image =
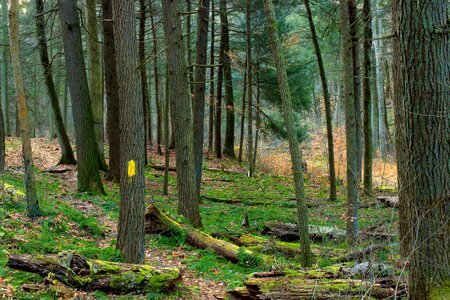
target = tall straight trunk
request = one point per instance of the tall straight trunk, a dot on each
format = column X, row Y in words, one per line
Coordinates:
column 251, row 166
column 354, row 25
column 180, row 106
column 4, row 68
column 228, row 146
column 31, row 196
column 87, row 149
column 67, row 156
column 211, row 83
column 350, row 123
column 296, row 154
column 158, row 98
column 131, row 235
column 241, row 135
column 143, row 75
column 367, row 98
column 111, row 91
column 258, row 115
column 374, row 104
column 200, row 90
column 166, row 138
column 422, row 110
column 94, row 64
column 2, row 143
column 188, row 46
column 218, row 116
column 65, row 104
column 327, row 100
column 378, row 46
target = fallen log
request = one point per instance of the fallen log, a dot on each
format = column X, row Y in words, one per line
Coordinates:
column 163, row 168
column 311, row 284
column 389, row 201
column 158, row 222
column 288, row 232
column 76, row 271
column 356, row 255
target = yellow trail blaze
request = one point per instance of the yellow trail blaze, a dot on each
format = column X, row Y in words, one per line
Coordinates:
column 131, row 168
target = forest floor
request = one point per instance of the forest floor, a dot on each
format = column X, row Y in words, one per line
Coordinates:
column 88, row 223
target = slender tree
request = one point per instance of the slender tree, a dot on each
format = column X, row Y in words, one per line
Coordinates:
column 218, row 106
column 228, row 146
column 4, row 68
column 211, row 82
column 200, row 90
column 244, row 93
column 327, row 100
column 296, row 155
column 31, row 196
column 180, row 106
column 166, row 138
column 111, row 91
column 251, row 166
column 350, row 123
column 67, row 156
column 130, row 238
column 87, row 150
column 422, row 110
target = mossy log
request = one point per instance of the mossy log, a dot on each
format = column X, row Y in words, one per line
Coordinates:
column 288, row 232
column 311, row 284
column 86, row 274
column 158, row 222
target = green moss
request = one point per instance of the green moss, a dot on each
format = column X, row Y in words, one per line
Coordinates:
column 440, row 292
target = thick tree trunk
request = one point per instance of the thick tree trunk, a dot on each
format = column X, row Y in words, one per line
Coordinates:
column 86, row 274
column 94, row 70
column 296, row 154
column 180, row 106
column 4, row 68
column 228, row 146
column 327, row 100
column 67, row 156
column 87, row 150
column 132, row 135
column 31, row 196
column 367, row 97
column 251, row 166
column 200, row 90
column 351, row 128
column 422, row 110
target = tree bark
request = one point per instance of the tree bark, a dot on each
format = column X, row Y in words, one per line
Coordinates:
column 296, row 155
column 211, row 83
column 218, row 107
column 31, row 196
column 351, row 128
column 422, row 110
column 251, row 166
column 180, row 106
column 241, row 135
column 87, row 150
column 326, row 96
column 132, row 135
column 67, row 156
column 4, row 68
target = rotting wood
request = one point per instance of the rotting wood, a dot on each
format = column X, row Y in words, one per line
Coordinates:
column 388, row 201
column 76, row 271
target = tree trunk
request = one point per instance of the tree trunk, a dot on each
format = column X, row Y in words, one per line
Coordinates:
column 4, row 68
column 258, row 113
column 132, row 135
column 228, row 146
column 166, row 138
column 190, row 68
column 251, row 166
column 327, row 100
column 86, row 274
column 31, row 196
column 180, row 106
column 94, row 64
column 112, row 96
column 211, row 83
column 374, row 104
column 241, row 135
column 67, row 157
column 200, row 90
column 422, row 110
column 351, row 128
column 66, row 104
column 296, row 155
column 367, row 99
column 87, row 150
column 218, row 106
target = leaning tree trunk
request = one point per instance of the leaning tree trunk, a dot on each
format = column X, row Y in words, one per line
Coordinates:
column 200, row 90
column 112, row 96
column 351, row 128
column 296, row 155
column 422, row 110
column 94, row 64
column 132, row 135
column 4, row 67
column 87, row 150
column 326, row 96
column 180, row 106
column 251, row 166
column 64, row 142
column 228, row 146
column 31, row 196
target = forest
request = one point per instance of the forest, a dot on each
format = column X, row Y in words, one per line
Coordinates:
column 224, row 149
